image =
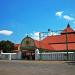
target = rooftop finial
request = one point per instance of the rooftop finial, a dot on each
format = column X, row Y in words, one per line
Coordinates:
column 27, row 35
column 68, row 25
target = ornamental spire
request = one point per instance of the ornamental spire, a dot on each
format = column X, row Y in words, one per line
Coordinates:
column 68, row 25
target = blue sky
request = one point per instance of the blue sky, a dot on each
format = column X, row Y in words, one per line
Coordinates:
column 21, row 17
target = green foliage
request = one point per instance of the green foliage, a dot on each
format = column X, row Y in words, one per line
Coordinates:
column 6, row 46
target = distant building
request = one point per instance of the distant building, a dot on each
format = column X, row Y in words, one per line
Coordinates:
column 55, row 43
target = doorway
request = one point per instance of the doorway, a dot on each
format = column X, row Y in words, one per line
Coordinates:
column 28, row 55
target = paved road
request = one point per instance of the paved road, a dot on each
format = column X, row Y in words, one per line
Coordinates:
column 36, row 67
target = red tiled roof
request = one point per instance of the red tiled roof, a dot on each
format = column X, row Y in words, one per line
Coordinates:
column 68, row 30
column 59, row 38
column 42, row 45
column 57, row 43
column 16, row 46
column 63, row 47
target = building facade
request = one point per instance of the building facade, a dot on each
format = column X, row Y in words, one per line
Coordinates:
column 65, row 42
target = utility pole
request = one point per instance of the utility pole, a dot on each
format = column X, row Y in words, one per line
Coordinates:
column 40, row 44
column 67, row 43
column 40, row 38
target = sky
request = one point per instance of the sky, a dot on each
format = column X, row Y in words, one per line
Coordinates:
column 19, row 18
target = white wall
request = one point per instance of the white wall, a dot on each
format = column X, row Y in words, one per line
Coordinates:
column 55, row 56
column 16, row 56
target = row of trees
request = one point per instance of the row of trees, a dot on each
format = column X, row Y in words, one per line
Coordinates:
column 6, row 46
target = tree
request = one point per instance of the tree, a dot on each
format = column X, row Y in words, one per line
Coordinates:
column 6, row 46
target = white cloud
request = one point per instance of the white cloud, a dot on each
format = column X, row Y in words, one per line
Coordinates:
column 53, row 33
column 35, row 35
column 59, row 13
column 6, row 32
column 68, row 17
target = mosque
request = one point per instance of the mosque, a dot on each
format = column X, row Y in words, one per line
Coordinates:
column 54, row 43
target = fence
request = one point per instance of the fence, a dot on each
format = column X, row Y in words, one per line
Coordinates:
column 55, row 56
column 10, row 56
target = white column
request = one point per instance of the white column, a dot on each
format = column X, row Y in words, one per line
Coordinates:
column 9, row 56
column 36, row 54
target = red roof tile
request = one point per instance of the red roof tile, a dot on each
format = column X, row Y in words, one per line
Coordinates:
column 68, row 30
column 61, row 47
column 58, row 42
column 59, row 38
column 40, row 44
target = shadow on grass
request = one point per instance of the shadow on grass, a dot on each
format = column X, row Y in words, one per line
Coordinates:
column 71, row 62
